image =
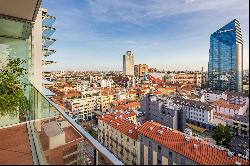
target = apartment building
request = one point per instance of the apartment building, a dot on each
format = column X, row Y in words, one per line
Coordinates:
column 224, row 107
column 120, row 137
column 105, row 83
column 227, row 103
column 81, row 86
column 184, row 78
column 105, row 103
column 160, row 145
column 239, row 124
column 163, row 111
column 231, row 97
column 197, row 112
column 84, row 107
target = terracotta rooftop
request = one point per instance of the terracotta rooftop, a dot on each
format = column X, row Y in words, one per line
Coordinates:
column 121, row 125
column 132, row 92
column 222, row 115
column 225, row 104
column 124, row 115
column 133, row 104
column 203, row 154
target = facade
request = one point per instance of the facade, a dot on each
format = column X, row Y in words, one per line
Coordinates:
column 194, row 78
column 120, row 137
column 141, row 70
column 41, row 42
column 231, row 97
column 197, row 112
column 105, row 83
column 225, row 67
column 224, row 107
column 128, row 64
column 227, row 103
column 82, row 86
column 105, row 103
column 239, row 124
column 84, row 107
column 163, row 111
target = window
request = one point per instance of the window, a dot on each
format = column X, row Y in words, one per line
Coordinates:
column 159, row 148
column 182, row 161
column 159, row 162
column 170, row 155
column 127, row 139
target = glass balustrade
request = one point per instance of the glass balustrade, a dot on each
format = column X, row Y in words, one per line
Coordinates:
column 45, row 134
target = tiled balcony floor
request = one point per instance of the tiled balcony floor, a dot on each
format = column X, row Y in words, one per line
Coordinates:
column 14, row 146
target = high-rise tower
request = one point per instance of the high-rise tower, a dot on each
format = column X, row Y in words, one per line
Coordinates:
column 128, row 64
column 225, row 67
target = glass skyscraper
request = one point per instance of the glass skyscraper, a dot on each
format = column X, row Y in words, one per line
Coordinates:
column 225, row 67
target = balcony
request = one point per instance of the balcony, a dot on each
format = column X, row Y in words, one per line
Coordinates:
column 47, row 42
column 48, row 20
column 47, row 52
column 48, row 31
column 45, row 134
column 47, row 62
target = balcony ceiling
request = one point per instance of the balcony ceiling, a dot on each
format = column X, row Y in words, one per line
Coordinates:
column 22, row 9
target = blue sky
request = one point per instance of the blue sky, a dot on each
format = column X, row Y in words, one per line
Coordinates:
column 167, row 34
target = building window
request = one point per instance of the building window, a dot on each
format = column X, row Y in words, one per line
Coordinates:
column 170, row 155
column 127, row 139
column 182, row 161
column 159, row 162
column 159, row 148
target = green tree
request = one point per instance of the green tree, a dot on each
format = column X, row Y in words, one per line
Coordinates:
column 12, row 98
column 222, row 136
column 93, row 133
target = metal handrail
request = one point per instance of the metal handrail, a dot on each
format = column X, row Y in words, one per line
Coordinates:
column 88, row 137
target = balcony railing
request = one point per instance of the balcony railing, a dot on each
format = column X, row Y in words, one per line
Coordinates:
column 45, row 134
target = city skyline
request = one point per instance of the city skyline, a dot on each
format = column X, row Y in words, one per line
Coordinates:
column 93, row 35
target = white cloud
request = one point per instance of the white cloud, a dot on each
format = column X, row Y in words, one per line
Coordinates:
column 138, row 13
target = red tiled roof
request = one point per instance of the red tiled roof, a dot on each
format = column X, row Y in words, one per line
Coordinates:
column 120, row 107
column 222, row 115
column 132, row 92
column 123, row 126
column 157, row 92
column 120, row 101
column 225, row 104
column 204, row 154
column 123, row 114
column 133, row 104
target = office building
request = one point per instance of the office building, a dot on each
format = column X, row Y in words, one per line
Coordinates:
column 128, row 64
column 225, row 67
